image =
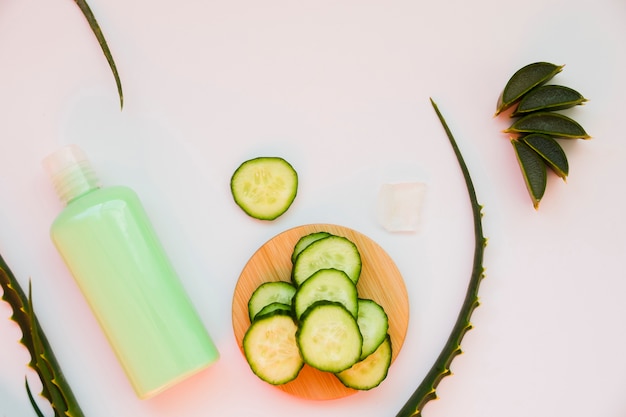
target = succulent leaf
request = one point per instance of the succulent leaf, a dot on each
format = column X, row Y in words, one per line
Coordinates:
column 54, row 385
column 524, row 80
column 426, row 390
column 33, row 403
column 95, row 27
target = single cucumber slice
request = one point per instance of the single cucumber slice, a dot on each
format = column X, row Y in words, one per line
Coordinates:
column 271, row 350
column 329, row 337
column 305, row 241
column 369, row 372
column 335, row 252
column 264, row 187
column 273, row 308
column 373, row 324
column 268, row 293
column 326, row 284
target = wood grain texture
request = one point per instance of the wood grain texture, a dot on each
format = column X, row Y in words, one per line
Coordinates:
column 380, row 281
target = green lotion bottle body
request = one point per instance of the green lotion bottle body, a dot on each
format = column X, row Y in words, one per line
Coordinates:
column 110, row 247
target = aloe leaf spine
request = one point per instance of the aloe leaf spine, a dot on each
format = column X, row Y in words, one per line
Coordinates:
column 426, row 390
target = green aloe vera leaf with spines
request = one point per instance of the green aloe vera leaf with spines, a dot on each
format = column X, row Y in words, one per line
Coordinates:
column 533, row 169
column 524, row 80
column 551, row 152
column 426, row 390
column 95, row 28
column 553, row 124
column 548, row 98
column 55, row 387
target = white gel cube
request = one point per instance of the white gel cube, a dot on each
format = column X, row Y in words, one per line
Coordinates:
column 399, row 206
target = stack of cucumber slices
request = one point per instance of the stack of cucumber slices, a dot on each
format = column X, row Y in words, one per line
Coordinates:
column 318, row 319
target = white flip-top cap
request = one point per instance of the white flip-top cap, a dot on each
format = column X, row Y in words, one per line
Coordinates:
column 71, row 172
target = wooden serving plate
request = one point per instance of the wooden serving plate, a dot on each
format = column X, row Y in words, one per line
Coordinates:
column 380, row 281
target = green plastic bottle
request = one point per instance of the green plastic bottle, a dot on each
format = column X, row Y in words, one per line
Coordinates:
column 114, row 254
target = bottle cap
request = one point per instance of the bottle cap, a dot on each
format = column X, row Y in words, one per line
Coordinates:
column 71, row 172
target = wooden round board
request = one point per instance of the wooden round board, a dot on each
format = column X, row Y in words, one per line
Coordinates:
column 380, row 281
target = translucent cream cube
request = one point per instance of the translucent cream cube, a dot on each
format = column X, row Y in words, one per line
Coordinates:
column 399, row 206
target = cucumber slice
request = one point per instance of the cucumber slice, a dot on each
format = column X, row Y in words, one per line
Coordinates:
column 326, row 284
column 268, row 293
column 273, row 308
column 271, row 350
column 329, row 337
column 369, row 372
column 335, row 252
column 264, row 187
column 305, row 241
column 373, row 324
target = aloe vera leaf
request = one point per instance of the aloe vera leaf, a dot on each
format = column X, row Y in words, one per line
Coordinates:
column 524, row 80
column 549, row 98
column 551, row 152
column 556, row 125
column 426, row 390
column 55, row 387
column 61, row 397
column 33, row 403
column 95, row 27
column 533, row 169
